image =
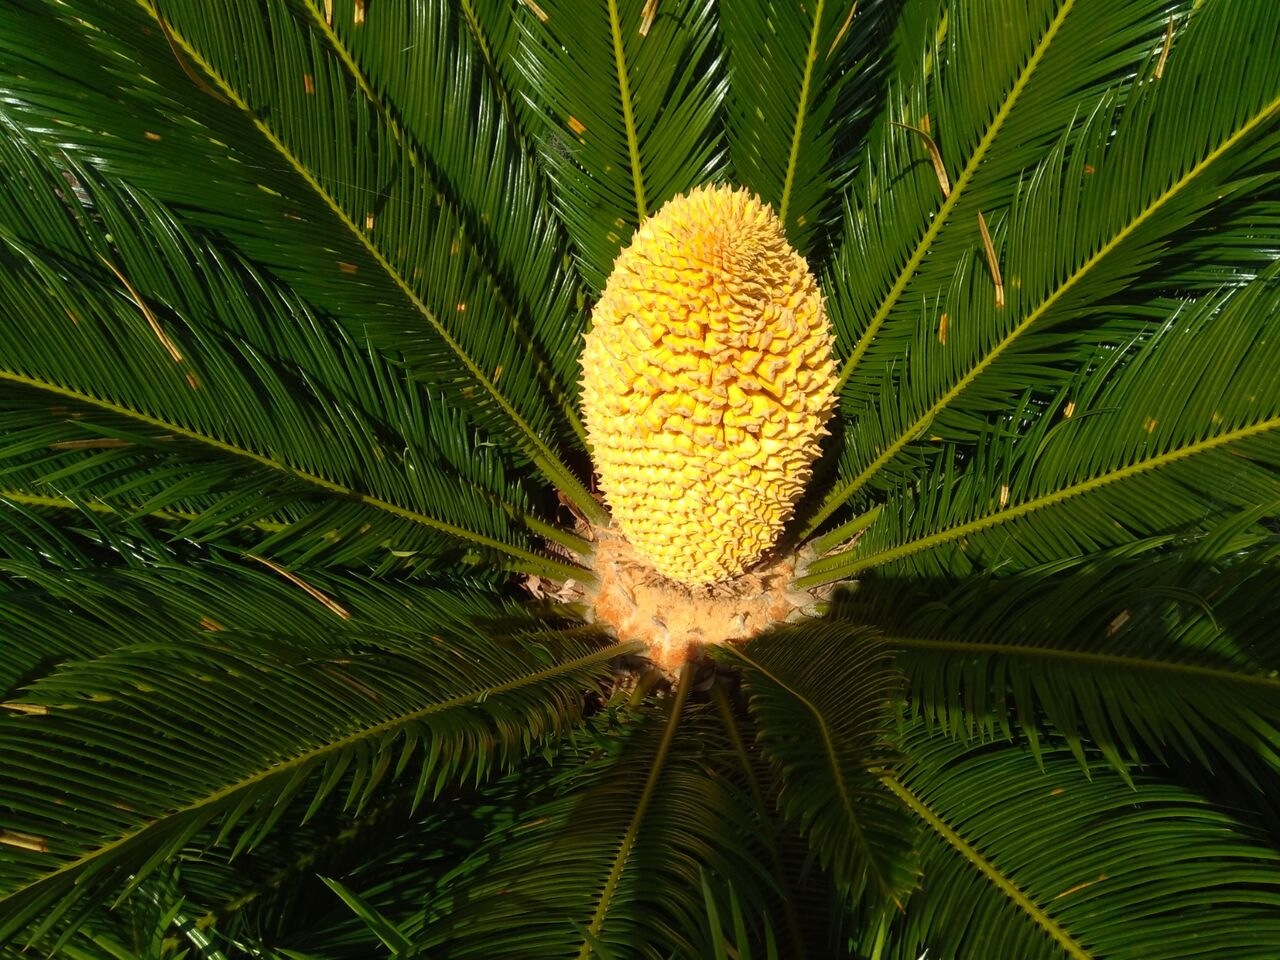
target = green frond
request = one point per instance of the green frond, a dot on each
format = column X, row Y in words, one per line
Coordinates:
column 380, row 242
column 444, row 104
column 960, row 80
column 811, row 909
column 158, row 406
column 994, row 87
column 291, row 303
column 624, row 120
column 820, row 698
column 730, row 934
column 495, row 33
column 800, row 89
column 1117, row 456
column 292, row 721
column 152, row 925
column 536, row 888
column 1141, row 167
column 1031, row 860
column 272, row 899
column 387, row 932
column 75, row 594
column 1140, row 653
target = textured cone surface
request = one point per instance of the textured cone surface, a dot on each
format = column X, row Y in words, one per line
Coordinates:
column 708, row 378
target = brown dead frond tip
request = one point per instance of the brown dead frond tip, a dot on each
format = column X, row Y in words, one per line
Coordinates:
column 329, row 604
column 23, row 841
column 992, row 264
column 1164, row 53
column 1118, row 621
column 93, row 443
column 537, row 10
column 844, row 28
column 31, row 709
column 146, row 311
column 646, row 17
column 935, row 156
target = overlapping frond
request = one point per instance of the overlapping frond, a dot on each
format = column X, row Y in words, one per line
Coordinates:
column 983, row 84
column 964, row 330
column 363, row 230
column 291, row 294
column 296, row 717
column 1185, row 431
column 1033, row 860
column 220, row 899
column 625, row 119
column 802, row 86
column 72, row 593
column 157, row 398
column 614, row 859
column 820, row 697
column 450, row 111
column 1140, row 652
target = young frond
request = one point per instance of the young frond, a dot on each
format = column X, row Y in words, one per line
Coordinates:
column 798, row 95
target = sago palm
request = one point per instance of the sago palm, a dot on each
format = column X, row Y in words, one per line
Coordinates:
column 936, row 404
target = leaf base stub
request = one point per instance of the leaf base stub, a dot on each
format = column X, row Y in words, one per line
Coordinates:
column 676, row 621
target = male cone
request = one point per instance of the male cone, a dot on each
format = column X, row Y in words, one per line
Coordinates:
column 707, row 381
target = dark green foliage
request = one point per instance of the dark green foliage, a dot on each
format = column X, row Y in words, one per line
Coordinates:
column 291, row 296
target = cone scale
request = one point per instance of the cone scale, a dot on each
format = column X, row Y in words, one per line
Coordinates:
column 707, row 381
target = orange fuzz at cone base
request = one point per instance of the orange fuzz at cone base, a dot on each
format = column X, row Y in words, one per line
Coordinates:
column 708, row 378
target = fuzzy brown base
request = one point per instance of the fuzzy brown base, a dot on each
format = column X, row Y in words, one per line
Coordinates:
column 677, row 621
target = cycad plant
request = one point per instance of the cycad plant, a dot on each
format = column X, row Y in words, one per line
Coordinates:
column 316, row 639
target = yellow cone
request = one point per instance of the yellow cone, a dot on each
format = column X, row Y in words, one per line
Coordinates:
column 708, row 378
